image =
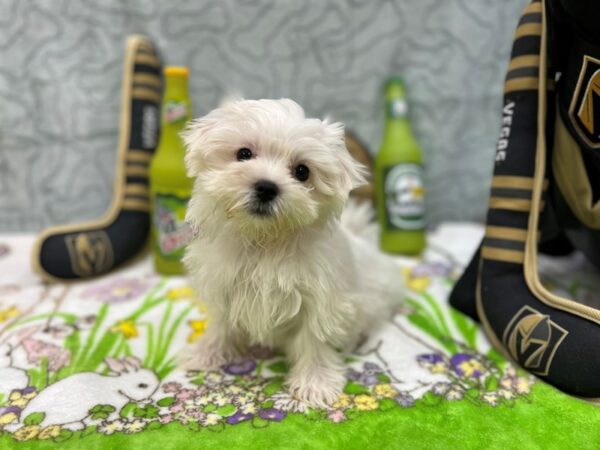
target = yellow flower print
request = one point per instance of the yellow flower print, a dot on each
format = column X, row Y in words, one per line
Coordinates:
column 127, row 328
column 343, row 401
column 491, row 398
column 5, row 419
column 49, row 432
column 249, row 408
column 385, row 390
column 26, row 433
column 134, row 427
column 506, row 383
column 198, row 327
column 471, row 366
column 211, row 419
column 523, row 385
column 182, row 292
column 111, row 427
column 186, row 293
column 233, row 389
column 20, row 400
column 417, row 284
column 439, row 367
column 365, row 402
column 9, row 313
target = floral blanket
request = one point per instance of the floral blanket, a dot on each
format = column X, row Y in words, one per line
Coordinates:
column 93, row 365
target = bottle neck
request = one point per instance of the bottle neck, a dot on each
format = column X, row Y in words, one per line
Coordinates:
column 176, row 106
column 176, row 88
column 396, row 116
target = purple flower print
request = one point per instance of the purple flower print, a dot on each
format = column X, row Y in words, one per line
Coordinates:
column 369, row 375
column 116, row 291
column 4, row 250
column 430, row 358
column 27, row 390
column 439, row 269
column 435, row 362
column 466, row 365
column 10, row 409
column 352, row 374
column 239, row 417
column 405, row 400
column 372, row 368
column 241, row 367
column 272, row 414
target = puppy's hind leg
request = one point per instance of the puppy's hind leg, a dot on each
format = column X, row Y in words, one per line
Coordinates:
column 317, row 371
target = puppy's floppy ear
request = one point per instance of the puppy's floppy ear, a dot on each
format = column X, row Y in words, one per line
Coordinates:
column 351, row 172
column 198, row 136
column 195, row 138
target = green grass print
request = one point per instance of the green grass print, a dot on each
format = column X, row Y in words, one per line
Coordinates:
column 39, row 378
column 435, row 323
column 429, row 317
column 89, row 349
column 158, row 344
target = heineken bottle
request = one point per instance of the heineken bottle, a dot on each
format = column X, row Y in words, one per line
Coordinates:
column 399, row 179
column 170, row 188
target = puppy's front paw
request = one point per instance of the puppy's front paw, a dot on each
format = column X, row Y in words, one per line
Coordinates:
column 318, row 388
column 206, row 355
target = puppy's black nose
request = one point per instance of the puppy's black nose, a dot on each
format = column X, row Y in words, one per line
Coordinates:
column 266, row 190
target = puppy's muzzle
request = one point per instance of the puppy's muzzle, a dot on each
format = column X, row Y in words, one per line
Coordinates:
column 266, row 191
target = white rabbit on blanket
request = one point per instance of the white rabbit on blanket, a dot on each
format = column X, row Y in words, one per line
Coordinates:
column 11, row 378
column 68, row 401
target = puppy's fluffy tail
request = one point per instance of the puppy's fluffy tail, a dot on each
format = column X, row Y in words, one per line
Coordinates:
column 381, row 289
column 358, row 219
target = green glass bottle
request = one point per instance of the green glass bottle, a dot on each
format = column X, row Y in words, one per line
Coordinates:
column 170, row 188
column 400, row 193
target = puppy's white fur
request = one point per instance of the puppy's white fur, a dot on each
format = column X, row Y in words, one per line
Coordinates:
column 297, row 278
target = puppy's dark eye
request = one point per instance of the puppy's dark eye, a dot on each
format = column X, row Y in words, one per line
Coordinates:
column 301, row 172
column 244, row 154
column 142, row 385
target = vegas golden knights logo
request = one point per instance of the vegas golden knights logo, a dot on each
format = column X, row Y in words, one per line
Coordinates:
column 585, row 106
column 90, row 253
column 532, row 339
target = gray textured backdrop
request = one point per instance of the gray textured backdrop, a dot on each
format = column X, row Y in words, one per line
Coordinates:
column 60, row 69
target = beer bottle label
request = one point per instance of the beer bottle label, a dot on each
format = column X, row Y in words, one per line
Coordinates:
column 172, row 231
column 404, row 197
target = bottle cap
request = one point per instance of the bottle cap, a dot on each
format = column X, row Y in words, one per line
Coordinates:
column 396, row 79
column 176, row 71
column 394, row 88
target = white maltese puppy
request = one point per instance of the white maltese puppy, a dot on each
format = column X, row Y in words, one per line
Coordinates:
column 272, row 261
